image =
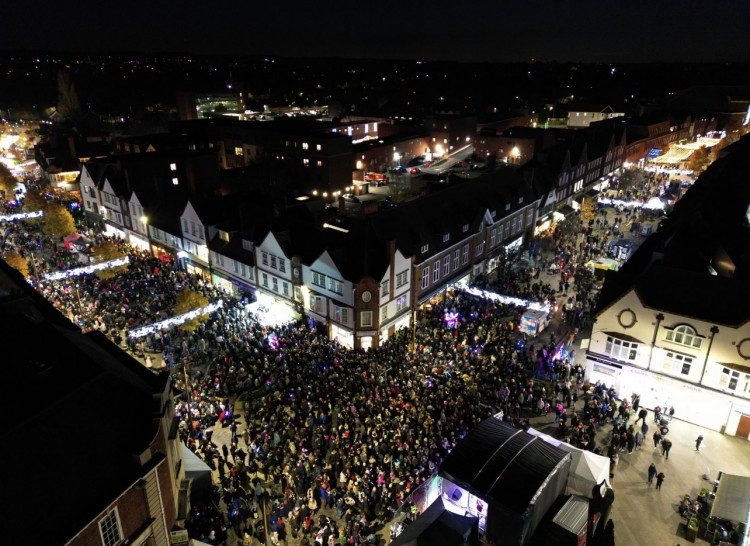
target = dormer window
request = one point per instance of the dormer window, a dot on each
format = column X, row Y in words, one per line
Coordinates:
column 507, row 206
column 465, row 228
column 446, row 237
column 685, row 335
column 520, row 200
column 425, row 248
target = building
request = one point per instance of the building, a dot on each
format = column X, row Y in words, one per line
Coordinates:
column 673, row 325
column 584, row 115
column 92, row 453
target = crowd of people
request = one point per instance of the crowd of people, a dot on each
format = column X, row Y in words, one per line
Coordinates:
column 328, row 443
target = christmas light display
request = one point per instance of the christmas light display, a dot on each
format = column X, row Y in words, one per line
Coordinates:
column 21, row 216
column 175, row 321
column 509, row 300
column 69, row 273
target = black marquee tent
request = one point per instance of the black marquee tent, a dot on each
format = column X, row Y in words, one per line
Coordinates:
column 439, row 527
column 518, row 475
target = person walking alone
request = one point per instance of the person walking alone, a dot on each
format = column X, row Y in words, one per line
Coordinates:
column 651, row 474
column 660, row 479
column 666, row 445
column 698, row 442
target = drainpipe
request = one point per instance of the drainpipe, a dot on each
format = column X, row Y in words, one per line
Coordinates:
column 659, row 318
column 714, row 331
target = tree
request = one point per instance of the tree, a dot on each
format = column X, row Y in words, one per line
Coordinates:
column 57, row 221
column 34, row 200
column 699, row 160
column 68, row 105
column 568, row 229
column 632, row 177
column 187, row 301
column 104, row 253
column 17, row 262
column 7, row 180
column 587, row 213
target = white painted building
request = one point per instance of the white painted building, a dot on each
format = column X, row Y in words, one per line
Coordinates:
column 274, row 272
column 328, row 298
column 395, row 296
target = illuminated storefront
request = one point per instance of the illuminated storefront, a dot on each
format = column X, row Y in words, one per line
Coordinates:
column 343, row 335
column 271, row 312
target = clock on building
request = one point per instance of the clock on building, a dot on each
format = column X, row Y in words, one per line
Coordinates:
column 366, row 296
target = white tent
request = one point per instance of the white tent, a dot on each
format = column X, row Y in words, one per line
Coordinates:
column 586, row 469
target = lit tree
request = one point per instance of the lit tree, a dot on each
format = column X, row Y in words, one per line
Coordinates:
column 587, row 212
column 105, row 252
column 632, row 177
column 57, row 221
column 17, row 262
column 34, row 200
column 7, row 180
column 699, row 160
column 187, row 301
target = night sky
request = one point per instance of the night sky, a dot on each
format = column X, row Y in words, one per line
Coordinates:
column 498, row 30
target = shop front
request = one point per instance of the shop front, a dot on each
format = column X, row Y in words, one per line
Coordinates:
column 366, row 338
column 390, row 327
column 197, row 269
column 270, row 311
column 344, row 336
column 222, row 282
column 164, row 254
column 139, row 242
column 243, row 290
column 692, row 403
column 113, row 231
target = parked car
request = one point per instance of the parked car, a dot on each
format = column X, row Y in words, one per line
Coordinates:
column 350, row 197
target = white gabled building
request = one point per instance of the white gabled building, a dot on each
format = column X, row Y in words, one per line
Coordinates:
column 194, row 242
column 328, row 298
column 395, row 295
column 673, row 325
column 275, row 272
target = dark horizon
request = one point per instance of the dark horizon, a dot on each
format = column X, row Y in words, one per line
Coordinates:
column 546, row 31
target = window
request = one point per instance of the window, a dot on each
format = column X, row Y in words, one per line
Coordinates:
column 238, row 151
column 297, row 293
column 175, row 181
column 676, row 361
column 273, row 261
column 305, row 146
column 109, row 527
column 425, row 248
column 621, row 350
column 446, row 266
column 402, row 278
column 318, row 279
column 446, row 237
column 319, row 147
column 507, row 206
column 465, row 228
column 426, row 277
column 365, row 319
column 275, row 284
column 401, row 303
column 456, row 258
column 306, row 162
column 317, row 304
column 730, row 379
column 384, row 288
column 685, row 335
column 493, row 234
column 436, row 272
column 384, row 312
column 264, row 258
column 285, row 288
column 465, row 255
column 265, row 280
column 335, row 286
column 480, row 248
column 173, row 167
column 282, row 265
column 319, row 163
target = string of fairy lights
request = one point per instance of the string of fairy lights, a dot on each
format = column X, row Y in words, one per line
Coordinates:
column 21, row 216
column 175, row 321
